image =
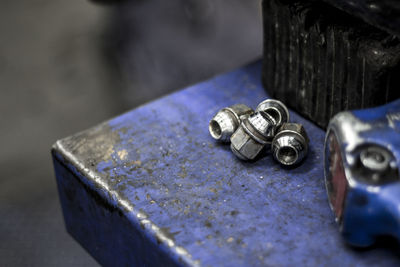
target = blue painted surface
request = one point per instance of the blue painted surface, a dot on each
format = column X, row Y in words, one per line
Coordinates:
column 372, row 211
column 151, row 186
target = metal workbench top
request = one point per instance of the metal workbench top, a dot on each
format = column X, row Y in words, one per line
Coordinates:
column 152, row 187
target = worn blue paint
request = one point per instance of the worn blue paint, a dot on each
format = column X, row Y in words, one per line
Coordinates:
column 151, row 187
column 378, row 212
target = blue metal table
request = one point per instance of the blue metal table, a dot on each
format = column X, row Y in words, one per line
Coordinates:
column 151, row 187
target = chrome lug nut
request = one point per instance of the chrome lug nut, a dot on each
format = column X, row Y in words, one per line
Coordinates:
column 276, row 109
column 290, row 145
column 252, row 135
column 227, row 120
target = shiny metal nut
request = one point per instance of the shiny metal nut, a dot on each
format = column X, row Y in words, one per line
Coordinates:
column 276, row 109
column 252, row 135
column 227, row 120
column 290, row 145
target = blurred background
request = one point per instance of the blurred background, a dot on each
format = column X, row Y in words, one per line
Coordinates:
column 68, row 65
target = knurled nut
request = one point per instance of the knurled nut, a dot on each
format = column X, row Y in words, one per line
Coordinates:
column 254, row 133
column 277, row 105
column 233, row 113
column 237, row 153
column 284, row 132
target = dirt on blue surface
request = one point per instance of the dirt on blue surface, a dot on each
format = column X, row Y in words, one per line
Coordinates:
column 190, row 199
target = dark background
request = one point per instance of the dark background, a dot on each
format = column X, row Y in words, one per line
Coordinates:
column 68, row 65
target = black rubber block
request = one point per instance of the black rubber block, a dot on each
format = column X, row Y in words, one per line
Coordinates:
column 319, row 60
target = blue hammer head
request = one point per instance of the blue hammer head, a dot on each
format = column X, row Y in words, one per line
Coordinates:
column 362, row 159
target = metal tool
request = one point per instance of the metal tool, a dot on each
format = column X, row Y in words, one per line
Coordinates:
column 362, row 159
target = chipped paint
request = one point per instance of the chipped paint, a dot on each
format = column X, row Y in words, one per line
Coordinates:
column 122, row 154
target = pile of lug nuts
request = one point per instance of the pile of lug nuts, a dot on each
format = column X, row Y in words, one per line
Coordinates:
column 250, row 132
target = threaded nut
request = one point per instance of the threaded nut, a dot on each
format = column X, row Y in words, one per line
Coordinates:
column 252, row 135
column 227, row 120
column 290, row 145
column 276, row 109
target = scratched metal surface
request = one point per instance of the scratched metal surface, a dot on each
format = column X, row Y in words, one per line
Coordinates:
column 165, row 181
